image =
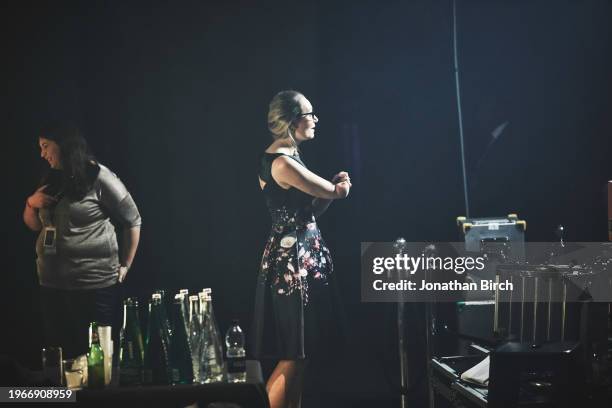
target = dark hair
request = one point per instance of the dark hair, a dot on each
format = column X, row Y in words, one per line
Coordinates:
column 79, row 167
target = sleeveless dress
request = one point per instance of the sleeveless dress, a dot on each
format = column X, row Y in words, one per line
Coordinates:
column 294, row 310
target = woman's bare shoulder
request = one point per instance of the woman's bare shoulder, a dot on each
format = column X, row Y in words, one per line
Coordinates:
column 278, row 150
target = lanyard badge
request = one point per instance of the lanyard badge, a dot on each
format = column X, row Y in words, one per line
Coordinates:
column 49, row 247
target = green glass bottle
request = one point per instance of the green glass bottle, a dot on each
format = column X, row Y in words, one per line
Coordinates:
column 156, row 356
column 131, row 351
column 164, row 314
column 95, row 359
column 180, row 353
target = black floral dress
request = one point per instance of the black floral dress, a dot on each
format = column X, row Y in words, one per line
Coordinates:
column 293, row 300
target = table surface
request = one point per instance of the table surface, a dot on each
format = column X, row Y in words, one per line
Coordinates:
column 251, row 393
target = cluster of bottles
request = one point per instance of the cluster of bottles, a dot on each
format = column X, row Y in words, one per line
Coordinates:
column 182, row 343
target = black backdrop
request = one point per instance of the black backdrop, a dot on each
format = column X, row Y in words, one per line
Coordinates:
column 173, row 96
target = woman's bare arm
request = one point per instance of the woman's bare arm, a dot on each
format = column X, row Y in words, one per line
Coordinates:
column 288, row 173
column 35, row 202
column 320, row 205
column 30, row 218
column 131, row 237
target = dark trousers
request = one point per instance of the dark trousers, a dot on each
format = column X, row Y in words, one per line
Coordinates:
column 67, row 313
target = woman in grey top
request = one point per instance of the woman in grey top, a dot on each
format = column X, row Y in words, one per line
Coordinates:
column 79, row 262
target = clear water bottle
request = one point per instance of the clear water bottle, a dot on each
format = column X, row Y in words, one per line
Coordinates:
column 195, row 336
column 185, row 296
column 212, row 365
column 236, row 361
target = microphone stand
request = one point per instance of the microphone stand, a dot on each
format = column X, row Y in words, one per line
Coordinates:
column 430, row 321
column 430, row 330
column 400, row 247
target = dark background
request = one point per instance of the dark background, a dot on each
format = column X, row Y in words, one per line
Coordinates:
column 173, row 97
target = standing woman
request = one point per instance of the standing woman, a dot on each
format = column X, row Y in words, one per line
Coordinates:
column 79, row 262
column 293, row 306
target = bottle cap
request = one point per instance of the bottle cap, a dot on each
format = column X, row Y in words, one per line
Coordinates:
column 206, row 293
column 131, row 301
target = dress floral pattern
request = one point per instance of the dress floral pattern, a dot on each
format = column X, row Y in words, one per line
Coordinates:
column 294, row 275
column 295, row 257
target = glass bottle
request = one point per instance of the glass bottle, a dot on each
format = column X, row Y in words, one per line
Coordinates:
column 164, row 314
column 211, row 353
column 195, row 336
column 156, row 362
column 185, row 296
column 131, row 349
column 95, row 359
column 180, row 352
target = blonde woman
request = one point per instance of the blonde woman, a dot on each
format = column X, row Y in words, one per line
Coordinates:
column 293, row 301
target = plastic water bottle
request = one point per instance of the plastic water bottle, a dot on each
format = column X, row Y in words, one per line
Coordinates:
column 236, row 362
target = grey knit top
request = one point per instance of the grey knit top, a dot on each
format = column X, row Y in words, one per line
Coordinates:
column 87, row 254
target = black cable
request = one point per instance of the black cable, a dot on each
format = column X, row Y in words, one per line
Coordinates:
column 459, row 110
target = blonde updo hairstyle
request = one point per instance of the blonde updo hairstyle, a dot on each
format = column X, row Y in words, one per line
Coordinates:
column 284, row 109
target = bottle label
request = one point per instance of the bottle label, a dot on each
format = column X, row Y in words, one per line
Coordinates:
column 236, row 365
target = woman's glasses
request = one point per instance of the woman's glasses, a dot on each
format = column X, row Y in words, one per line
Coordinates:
column 311, row 115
